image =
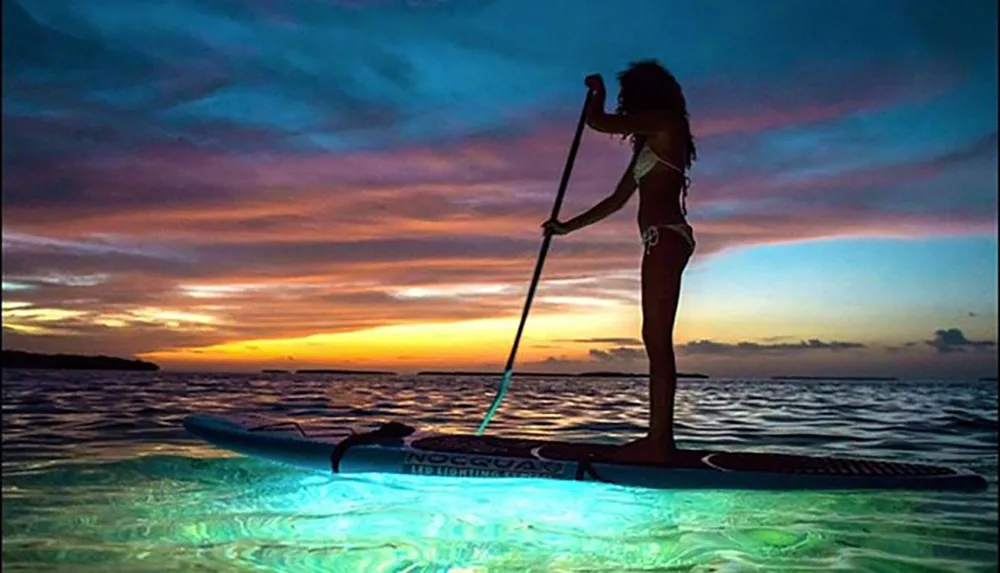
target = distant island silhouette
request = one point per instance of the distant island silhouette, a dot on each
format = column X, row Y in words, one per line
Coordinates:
column 988, row 379
column 840, row 378
column 29, row 360
column 275, row 371
column 329, row 371
column 551, row 374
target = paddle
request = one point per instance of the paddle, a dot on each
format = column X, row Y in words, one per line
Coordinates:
column 509, row 369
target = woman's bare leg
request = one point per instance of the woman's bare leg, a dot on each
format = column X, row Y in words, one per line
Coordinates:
column 662, row 268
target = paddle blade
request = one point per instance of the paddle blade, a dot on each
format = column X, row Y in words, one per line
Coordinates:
column 504, row 384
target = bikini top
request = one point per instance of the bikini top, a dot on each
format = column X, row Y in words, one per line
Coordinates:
column 644, row 163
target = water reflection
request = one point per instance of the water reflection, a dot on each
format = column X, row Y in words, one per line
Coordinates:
column 99, row 476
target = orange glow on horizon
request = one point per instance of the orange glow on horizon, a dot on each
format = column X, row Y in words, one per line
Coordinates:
column 416, row 345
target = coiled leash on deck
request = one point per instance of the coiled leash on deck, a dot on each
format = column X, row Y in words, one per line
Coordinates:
column 509, row 368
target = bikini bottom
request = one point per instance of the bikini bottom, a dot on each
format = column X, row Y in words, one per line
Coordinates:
column 651, row 236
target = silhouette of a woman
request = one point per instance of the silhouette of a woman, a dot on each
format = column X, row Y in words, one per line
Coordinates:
column 652, row 114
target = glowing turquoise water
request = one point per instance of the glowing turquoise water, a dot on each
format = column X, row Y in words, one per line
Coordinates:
column 99, row 476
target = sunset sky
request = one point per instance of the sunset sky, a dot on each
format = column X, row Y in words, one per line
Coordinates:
column 234, row 185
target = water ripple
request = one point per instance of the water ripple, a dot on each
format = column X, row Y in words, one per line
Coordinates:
column 98, row 475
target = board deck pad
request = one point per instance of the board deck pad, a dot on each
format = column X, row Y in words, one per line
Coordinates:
column 689, row 459
column 398, row 448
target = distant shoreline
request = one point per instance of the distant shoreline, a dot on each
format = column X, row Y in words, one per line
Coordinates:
column 336, row 371
column 17, row 359
column 840, row 378
column 552, row 374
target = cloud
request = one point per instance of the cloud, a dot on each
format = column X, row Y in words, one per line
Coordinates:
column 618, row 341
column 303, row 167
column 469, row 217
column 621, row 357
column 748, row 347
column 953, row 340
column 617, row 354
column 896, row 349
column 776, row 338
column 418, row 219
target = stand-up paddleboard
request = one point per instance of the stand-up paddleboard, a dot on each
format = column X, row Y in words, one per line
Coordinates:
column 398, row 448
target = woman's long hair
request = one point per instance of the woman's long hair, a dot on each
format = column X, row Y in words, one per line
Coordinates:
column 647, row 85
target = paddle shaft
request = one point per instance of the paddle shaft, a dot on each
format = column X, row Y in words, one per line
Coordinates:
column 509, row 368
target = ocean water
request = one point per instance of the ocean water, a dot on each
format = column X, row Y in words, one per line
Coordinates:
column 99, row 476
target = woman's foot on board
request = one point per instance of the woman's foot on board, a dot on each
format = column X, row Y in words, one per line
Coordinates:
column 646, row 450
